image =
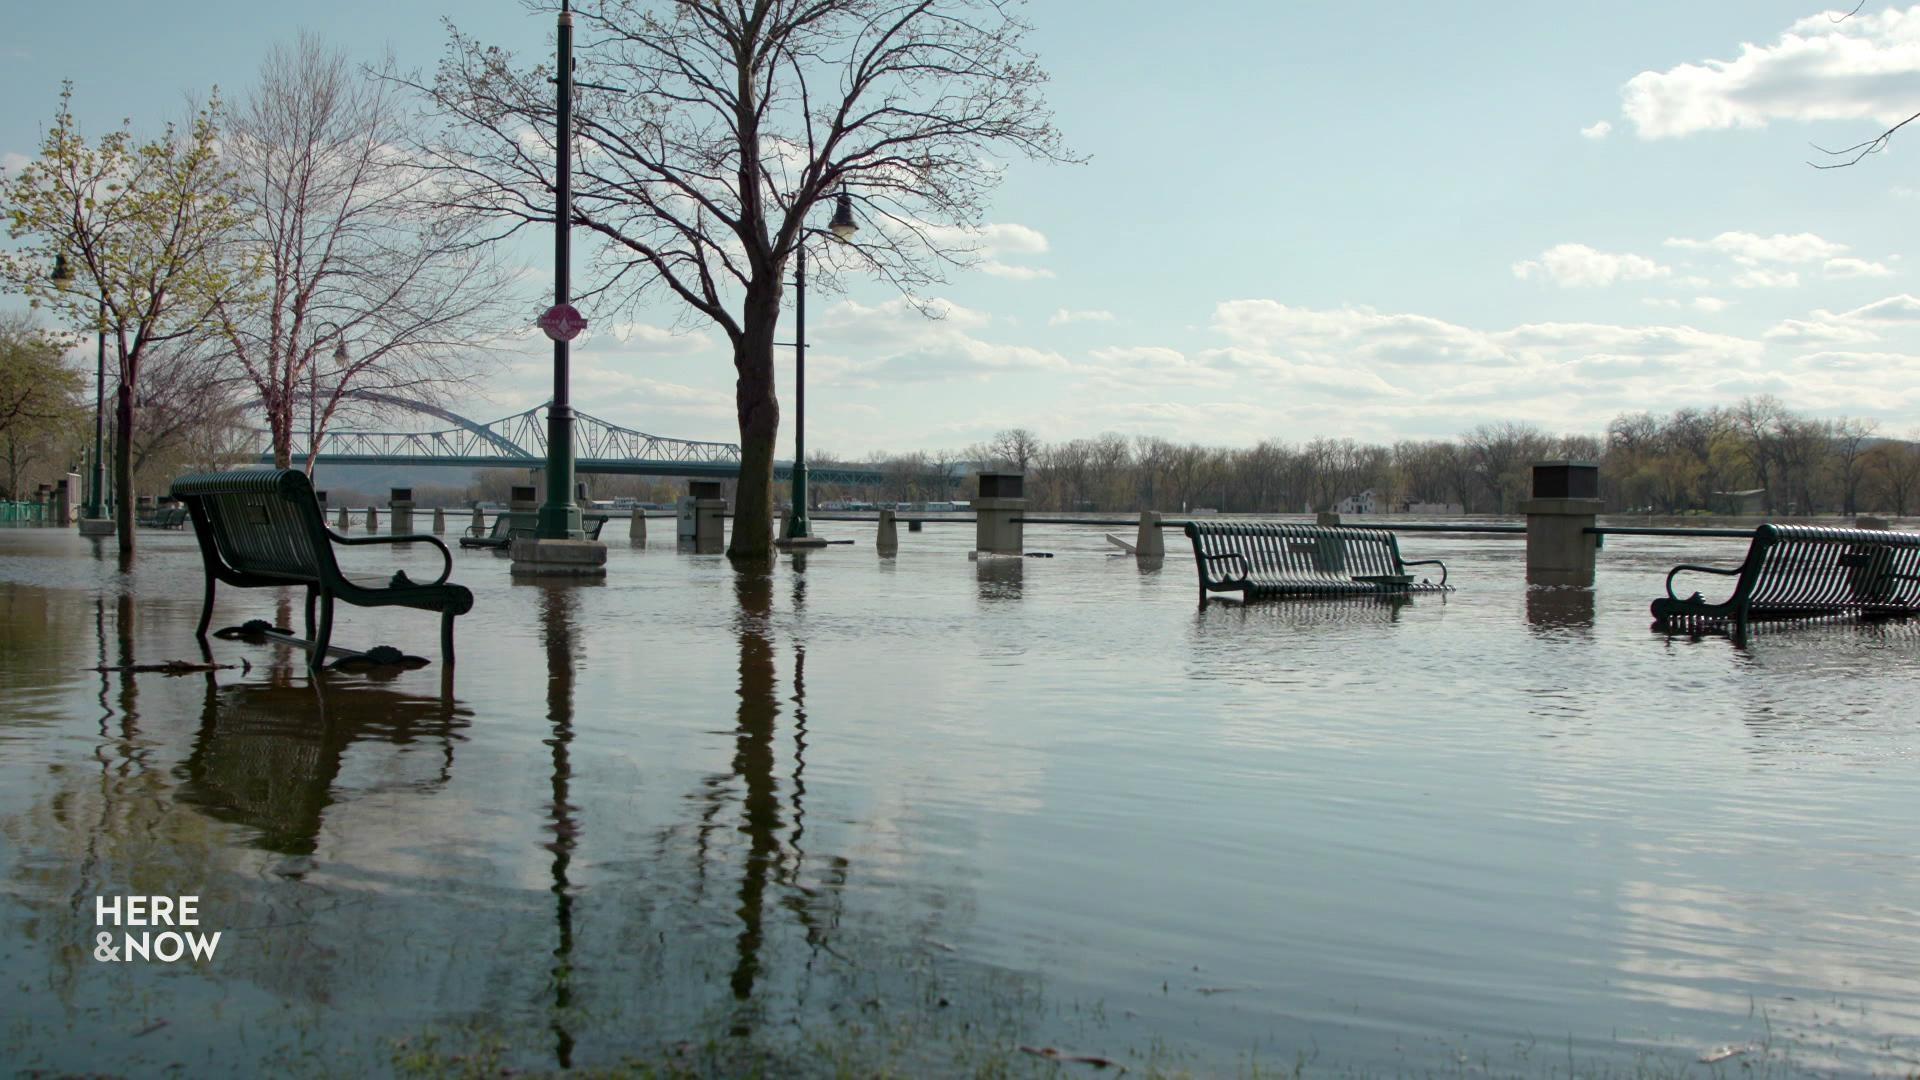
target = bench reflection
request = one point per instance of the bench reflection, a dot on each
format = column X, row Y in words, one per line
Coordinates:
column 268, row 755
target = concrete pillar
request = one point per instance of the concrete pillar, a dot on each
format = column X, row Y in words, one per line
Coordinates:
column 343, row 525
column 479, row 521
column 887, row 540
column 915, row 525
column 63, row 500
column 780, row 522
column 1147, row 542
column 707, row 510
column 439, row 521
column 637, row 528
column 373, row 519
column 400, row 501
column 1001, row 500
column 1867, row 521
column 1326, row 517
column 523, row 503
column 1565, row 503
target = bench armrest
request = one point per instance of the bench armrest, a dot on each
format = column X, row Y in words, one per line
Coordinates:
column 1230, row 556
column 356, row 541
column 1736, row 571
column 1428, row 562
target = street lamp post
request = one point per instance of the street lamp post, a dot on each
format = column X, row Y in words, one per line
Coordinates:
column 843, row 227
column 559, row 517
column 96, row 486
column 558, row 546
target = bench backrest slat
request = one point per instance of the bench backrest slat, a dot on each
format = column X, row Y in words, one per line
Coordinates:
column 1298, row 552
column 1808, row 566
column 263, row 522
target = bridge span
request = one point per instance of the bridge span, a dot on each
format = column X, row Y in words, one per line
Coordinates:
column 520, row 442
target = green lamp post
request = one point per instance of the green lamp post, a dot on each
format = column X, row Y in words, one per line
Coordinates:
column 843, row 227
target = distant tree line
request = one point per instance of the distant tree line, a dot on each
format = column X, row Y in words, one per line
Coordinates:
column 1755, row 456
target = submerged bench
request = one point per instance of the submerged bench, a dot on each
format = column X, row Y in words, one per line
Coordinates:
column 263, row 527
column 504, row 532
column 1805, row 572
column 1270, row 559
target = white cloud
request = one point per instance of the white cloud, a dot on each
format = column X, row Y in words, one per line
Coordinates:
column 1597, row 131
column 1903, row 308
column 1148, row 366
column 11, row 162
column 1842, row 269
column 1569, row 265
column 1709, row 304
column 1749, row 249
column 1066, row 316
column 1823, row 329
column 1823, row 67
column 1017, row 273
column 1766, row 279
column 649, row 339
column 897, row 343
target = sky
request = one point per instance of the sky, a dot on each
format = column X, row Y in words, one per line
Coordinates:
column 1383, row 220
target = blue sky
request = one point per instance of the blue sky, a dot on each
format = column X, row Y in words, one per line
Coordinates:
column 1384, row 220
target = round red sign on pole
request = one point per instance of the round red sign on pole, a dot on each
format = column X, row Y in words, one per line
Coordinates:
column 562, row 322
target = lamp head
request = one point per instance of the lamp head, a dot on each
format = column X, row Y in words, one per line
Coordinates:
column 62, row 273
column 340, row 357
column 843, row 225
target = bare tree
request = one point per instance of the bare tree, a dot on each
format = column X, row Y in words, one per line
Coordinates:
column 738, row 121
column 1897, row 467
column 1013, row 448
column 356, row 263
column 1851, row 437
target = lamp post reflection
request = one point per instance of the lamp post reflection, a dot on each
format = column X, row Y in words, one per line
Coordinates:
column 558, row 611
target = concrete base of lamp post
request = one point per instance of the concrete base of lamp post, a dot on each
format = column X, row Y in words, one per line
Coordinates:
column 538, row 557
column 100, row 526
column 439, row 521
column 637, row 527
column 887, row 539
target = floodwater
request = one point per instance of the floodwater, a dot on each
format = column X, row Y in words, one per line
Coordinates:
column 918, row 813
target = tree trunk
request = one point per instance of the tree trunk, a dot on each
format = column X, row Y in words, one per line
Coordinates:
column 123, row 498
column 280, row 430
column 759, row 412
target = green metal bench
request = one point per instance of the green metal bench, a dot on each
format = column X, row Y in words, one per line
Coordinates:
column 1262, row 560
column 164, row 517
column 504, row 532
column 263, row 527
column 1805, row 572
column 500, row 537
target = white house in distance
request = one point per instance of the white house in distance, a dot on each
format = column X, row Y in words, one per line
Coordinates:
column 1362, row 503
column 1369, row 502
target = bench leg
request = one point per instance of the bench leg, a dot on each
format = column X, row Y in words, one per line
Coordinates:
column 317, row 657
column 206, row 611
column 446, row 638
column 312, row 593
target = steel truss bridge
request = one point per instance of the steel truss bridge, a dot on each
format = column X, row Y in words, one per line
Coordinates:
column 520, row 442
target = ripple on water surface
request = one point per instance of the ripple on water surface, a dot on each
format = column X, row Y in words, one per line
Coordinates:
column 693, row 805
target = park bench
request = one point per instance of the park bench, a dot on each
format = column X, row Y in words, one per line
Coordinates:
column 164, row 517
column 1260, row 560
column 503, row 531
column 263, row 527
column 1805, row 572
